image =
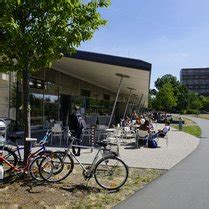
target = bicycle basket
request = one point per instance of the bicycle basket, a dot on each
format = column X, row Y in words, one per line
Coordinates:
column 111, row 150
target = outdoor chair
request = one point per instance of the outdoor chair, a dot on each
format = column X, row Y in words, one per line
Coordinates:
column 86, row 134
column 66, row 134
column 103, row 119
column 164, row 137
column 141, row 135
column 57, row 133
column 91, row 120
column 128, row 134
column 115, row 136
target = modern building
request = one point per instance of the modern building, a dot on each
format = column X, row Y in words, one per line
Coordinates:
column 90, row 80
column 196, row 80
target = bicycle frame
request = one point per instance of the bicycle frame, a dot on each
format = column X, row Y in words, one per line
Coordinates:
column 77, row 160
column 3, row 160
column 17, row 169
column 31, row 155
column 42, row 148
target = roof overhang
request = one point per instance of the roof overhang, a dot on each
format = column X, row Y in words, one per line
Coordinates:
column 101, row 70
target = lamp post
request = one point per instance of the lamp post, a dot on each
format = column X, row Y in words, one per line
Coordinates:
column 139, row 102
column 134, row 102
column 118, row 92
column 129, row 97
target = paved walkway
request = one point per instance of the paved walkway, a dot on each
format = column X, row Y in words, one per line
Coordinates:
column 185, row 186
column 179, row 146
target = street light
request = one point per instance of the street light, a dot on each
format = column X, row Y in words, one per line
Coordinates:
column 118, row 91
column 129, row 97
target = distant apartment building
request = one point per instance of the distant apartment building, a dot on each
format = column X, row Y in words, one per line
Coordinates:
column 196, row 80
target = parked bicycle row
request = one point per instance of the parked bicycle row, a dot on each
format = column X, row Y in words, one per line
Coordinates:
column 109, row 171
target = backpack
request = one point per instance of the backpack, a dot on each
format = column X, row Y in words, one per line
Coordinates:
column 81, row 122
column 152, row 143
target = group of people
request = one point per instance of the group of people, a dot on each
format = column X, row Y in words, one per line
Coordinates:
column 143, row 123
column 77, row 124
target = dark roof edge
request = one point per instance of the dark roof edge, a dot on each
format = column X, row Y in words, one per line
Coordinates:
column 200, row 68
column 111, row 59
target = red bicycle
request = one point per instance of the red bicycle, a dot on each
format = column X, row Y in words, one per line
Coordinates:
column 8, row 163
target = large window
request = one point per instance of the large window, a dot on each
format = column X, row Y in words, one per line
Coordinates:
column 51, row 107
column 51, row 97
column 36, row 101
column 86, row 98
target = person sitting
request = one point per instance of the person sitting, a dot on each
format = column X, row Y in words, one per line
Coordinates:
column 142, row 141
column 144, row 125
column 164, row 131
column 161, row 132
column 133, row 117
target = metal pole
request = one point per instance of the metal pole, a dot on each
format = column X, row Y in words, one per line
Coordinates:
column 143, row 107
column 116, row 99
column 9, row 94
column 133, row 102
column 139, row 103
column 129, row 97
column 136, row 103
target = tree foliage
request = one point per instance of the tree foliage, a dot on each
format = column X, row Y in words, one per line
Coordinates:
column 165, row 98
column 168, row 78
column 180, row 92
column 35, row 33
column 186, row 102
column 194, row 101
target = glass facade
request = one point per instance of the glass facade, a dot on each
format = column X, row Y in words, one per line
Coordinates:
column 53, row 95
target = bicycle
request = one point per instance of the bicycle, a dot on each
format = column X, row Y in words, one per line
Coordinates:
column 17, row 150
column 110, row 172
column 10, row 159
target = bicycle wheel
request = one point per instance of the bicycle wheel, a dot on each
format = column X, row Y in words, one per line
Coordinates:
column 11, row 157
column 51, row 164
column 61, row 171
column 111, row 173
column 34, row 168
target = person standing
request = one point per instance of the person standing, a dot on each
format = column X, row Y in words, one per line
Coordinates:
column 77, row 125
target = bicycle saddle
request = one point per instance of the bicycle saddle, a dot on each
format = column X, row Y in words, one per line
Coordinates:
column 103, row 143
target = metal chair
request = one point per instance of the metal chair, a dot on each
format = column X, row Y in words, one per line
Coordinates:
column 165, row 137
column 128, row 134
column 57, row 132
column 86, row 134
column 141, row 134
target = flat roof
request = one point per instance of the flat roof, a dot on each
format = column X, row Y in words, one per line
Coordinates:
column 102, row 70
column 111, row 60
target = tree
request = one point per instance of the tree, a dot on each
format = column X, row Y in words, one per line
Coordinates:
column 181, row 97
column 205, row 103
column 165, row 98
column 152, row 99
column 194, row 102
column 35, row 33
column 168, row 78
column 180, row 91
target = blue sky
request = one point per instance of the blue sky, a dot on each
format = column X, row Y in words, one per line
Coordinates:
column 170, row 34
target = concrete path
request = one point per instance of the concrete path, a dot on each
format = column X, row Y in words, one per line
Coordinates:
column 179, row 146
column 185, row 186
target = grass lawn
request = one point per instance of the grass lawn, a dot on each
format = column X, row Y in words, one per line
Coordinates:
column 74, row 192
column 191, row 129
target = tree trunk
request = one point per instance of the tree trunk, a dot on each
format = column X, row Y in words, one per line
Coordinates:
column 26, row 112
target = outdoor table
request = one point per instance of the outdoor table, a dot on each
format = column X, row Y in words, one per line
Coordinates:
column 110, row 129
